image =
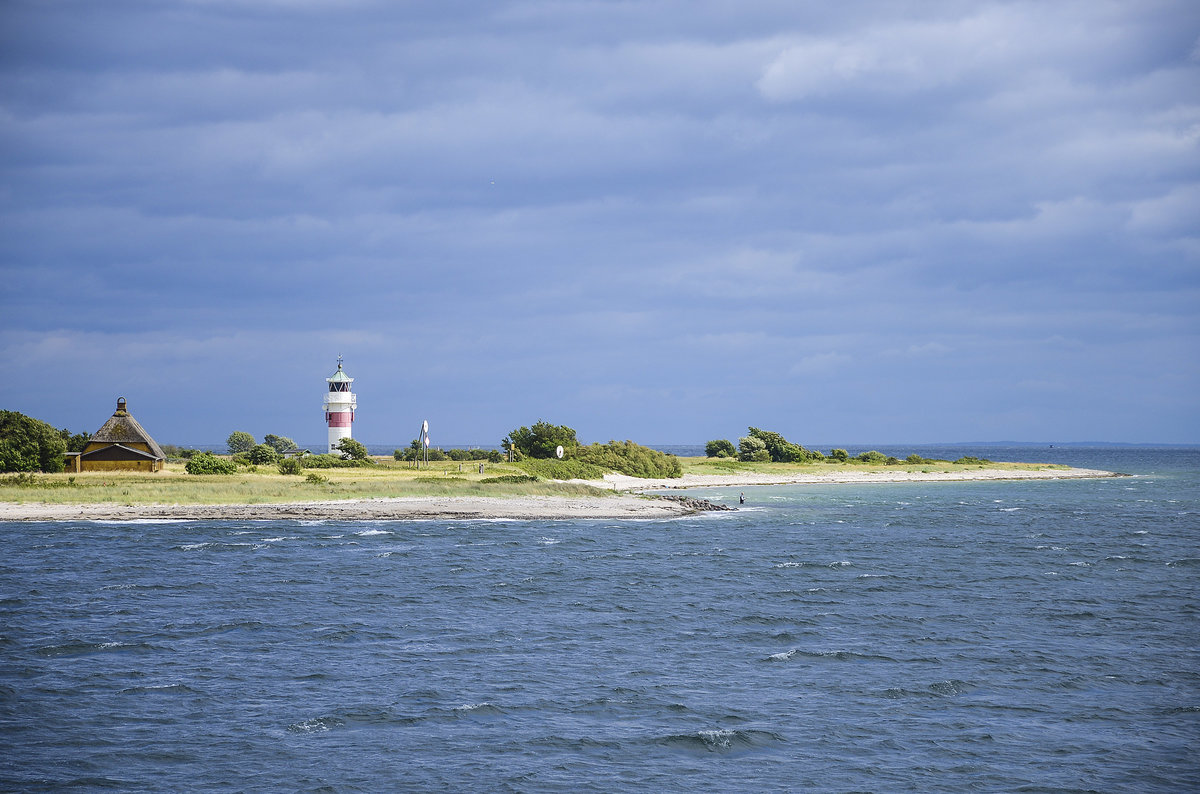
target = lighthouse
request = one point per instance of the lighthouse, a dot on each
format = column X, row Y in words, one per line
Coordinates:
column 340, row 403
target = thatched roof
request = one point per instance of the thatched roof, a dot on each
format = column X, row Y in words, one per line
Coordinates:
column 122, row 428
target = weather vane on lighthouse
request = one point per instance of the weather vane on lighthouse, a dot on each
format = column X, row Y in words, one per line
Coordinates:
column 340, row 405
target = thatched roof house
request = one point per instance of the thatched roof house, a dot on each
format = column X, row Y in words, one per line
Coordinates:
column 120, row 444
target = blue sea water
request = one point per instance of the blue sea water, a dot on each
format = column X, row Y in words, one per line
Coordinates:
column 990, row 636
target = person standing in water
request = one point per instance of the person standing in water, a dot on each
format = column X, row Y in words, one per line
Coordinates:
column 741, row 498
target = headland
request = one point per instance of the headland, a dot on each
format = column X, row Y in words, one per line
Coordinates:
column 622, row 497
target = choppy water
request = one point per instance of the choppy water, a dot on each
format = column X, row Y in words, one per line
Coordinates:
column 1008, row 636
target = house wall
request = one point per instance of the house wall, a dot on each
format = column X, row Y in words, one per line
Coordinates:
column 121, row 465
column 109, row 457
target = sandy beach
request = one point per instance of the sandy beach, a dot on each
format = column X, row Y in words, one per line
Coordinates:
column 623, row 483
column 627, row 503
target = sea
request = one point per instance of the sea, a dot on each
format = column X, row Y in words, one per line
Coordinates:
column 1015, row 636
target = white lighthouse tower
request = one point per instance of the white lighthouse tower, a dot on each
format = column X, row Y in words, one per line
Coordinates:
column 340, row 404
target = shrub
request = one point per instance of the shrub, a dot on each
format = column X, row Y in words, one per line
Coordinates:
column 262, row 455
column 208, row 463
column 873, row 457
column 968, row 460
column 891, row 461
column 459, row 454
column 28, row 444
column 290, row 466
column 840, row 455
column 632, row 459
column 542, row 440
column 316, row 479
column 554, row 469
column 510, row 478
column 326, row 461
column 720, row 448
column 414, row 452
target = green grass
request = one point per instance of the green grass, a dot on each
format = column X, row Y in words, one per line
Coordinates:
column 265, row 486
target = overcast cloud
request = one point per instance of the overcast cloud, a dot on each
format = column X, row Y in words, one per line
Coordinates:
column 665, row 220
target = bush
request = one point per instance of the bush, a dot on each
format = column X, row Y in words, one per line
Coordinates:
column 720, row 448
column 208, row 463
column 290, row 466
column 967, row 460
column 632, row 459
column 542, row 440
column 554, row 469
column 840, row 455
column 326, row 461
column 509, row 478
column 262, row 455
column 28, row 444
column 414, row 452
column 316, row 479
column 873, row 457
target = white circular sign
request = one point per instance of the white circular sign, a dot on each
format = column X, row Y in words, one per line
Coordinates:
column 425, row 426
column 559, row 451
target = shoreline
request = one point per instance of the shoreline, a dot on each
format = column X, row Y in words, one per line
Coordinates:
column 627, row 502
column 622, row 483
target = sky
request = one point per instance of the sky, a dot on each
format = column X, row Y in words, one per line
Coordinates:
column 661, row 220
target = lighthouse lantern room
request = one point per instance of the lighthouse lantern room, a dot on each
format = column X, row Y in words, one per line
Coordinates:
column 340, row 404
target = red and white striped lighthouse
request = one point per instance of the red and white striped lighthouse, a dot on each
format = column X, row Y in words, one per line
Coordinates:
column 340, row 404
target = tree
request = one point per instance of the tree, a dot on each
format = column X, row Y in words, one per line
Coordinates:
column 76, row 442
column 239, row 441
column 262, row 454
column 720, row 448
column 208, row 463
column 352, row 450
column 542, row 440
column 780, row 449
column 280, row 444
column 28, row 444
column 752, row 448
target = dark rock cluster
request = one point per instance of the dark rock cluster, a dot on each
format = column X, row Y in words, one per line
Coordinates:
column 692, row 503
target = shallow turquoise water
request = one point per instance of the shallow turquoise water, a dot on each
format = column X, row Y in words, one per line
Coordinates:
column 978, row 636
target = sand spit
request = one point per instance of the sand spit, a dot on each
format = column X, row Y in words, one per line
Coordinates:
column 625, row 484
column 397, row 509
column 625, row 504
